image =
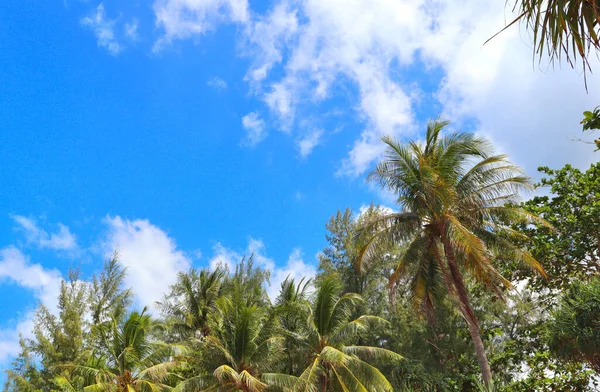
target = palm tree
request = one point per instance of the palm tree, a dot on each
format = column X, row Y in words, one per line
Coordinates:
column 289, row 306
column 126, row 360
column 334, row 363
column 242, row 346
column 456, row 203
column 191, row 300
column 561, row 27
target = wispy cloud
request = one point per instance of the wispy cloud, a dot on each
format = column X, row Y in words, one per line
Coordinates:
column 104, row 30
column 255, row 129
column 217, row 83
column 309, row 142
column 131, row 29
column 63, row 239
column 180, row 19
column 304, row 53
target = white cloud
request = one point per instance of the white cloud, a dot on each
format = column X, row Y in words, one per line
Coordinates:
column 382, row 208
column 528, row 112
column 224, row 257
column 257, row 249
column 267, row 37
column 217, row 83
column 131, row 29
column 255, row 128
column 229, row 258
column 197, row 254
column 61, row 240
column 281, row 100
column 104, row 30
column 384, row 50
column 149, row 254
column 9, row 338
column 340, row 42
column 309, row 142
column 45, row 285
column 180, row 19
column 295, row 268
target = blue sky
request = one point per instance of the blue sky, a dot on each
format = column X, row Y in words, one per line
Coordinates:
column 190, row 132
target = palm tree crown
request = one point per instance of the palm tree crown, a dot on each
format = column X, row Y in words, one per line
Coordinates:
column 335, row 363
column 191, row 300
column 456, row 203
column 126, row 358
column 242, row 347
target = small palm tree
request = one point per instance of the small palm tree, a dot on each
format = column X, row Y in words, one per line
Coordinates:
column 243, row 345
column 126, row 359
column 191, row 300
column 456, row 202
column 334, row 362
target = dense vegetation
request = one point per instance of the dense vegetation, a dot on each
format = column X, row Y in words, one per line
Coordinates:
column 462, row 287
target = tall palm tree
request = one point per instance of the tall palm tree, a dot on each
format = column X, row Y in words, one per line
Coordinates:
column 126, row 360
column 191, row 300
column 334, row 362
column 242, row 346
column 456, row 202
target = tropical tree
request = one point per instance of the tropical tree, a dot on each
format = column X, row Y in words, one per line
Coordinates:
column 242, row 347
column 570, row 250
column 335, row 363
column 126, row 359
column 455, row 200
column 57, row 338
column 341, row 255
column 289, row 306
column 107, row 293
column 190, row 301
column 574, row 331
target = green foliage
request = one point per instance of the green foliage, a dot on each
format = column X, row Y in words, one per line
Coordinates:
column 571, row 247
column 574, row 331
column 560, row 28
column 191, row 299
column 591, row 122
column 125, row 358
column 107, row 294
column 241, row 342
column 57, row 338
column 454, row 196
column 335, row 362
column 66, row 336
column 389, row 282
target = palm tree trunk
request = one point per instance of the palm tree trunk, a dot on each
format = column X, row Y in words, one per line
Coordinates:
column 323, row 383
column 467, row 311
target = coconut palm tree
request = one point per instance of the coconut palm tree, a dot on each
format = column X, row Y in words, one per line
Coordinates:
column 242, row 347
column 191, row 300
column 456, row 201
column 567, row 28
column 335, row 363
column 289, row 306
column 126, row 359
